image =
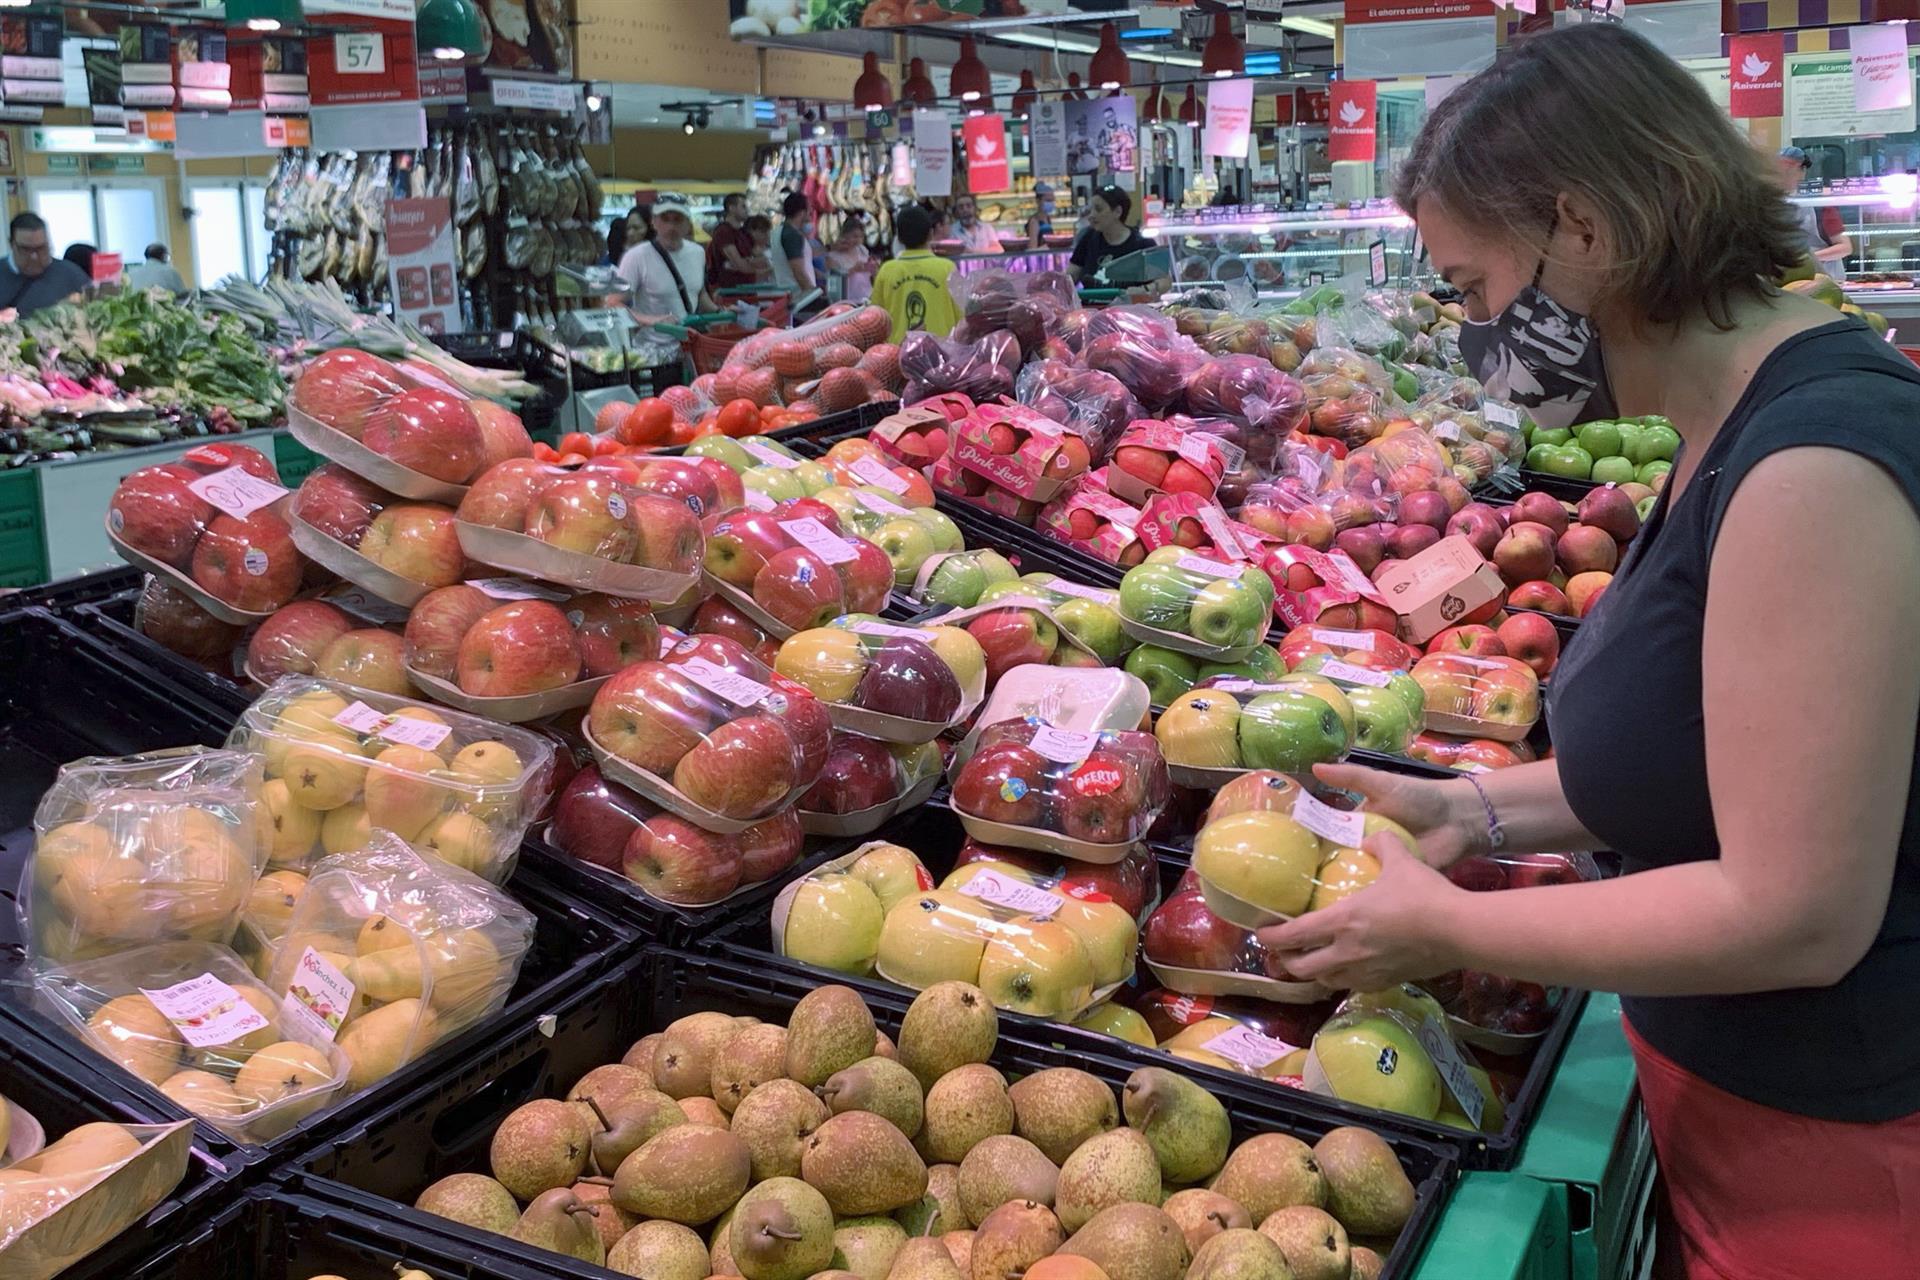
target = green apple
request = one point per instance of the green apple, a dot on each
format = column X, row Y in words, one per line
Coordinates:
column 1550, row 435
column 1325, row 690
column 1291, row 731
column 1261, row 856
column 998, row 567
column 1263, row 665
column 1200, row 728
column 891, row 871
column 1644, row 507
column 956, row 647
column 1375, row 1061
column 725, row 449
column 1382, row 719
column 1538, row 455
column 907, row 543
column 814, row 477
column 844, row 504
column 1601, row 439
column 1647, row 472
column 957, row 580
column 1118, row 1021
column 1166, row 555
column 834, row 921
column 1656, row 441
column 1166, row 674
column 1408, row 690
column 1630, row 432
column 1256, row 578
column 946, row 534
column 1094, row 625
column 1158, row 595
column 1614, row 470
column 997, row 590
column 1563, row 460
column 1039, row 578
column 1404, row 998
column 781, row 486
column 1227, row 613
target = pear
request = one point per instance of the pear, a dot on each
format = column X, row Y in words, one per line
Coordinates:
column 626, row 1125
column 941, row 1209
column 879, row 1085
column 965, row 1106
column 1271, row 1171
column 683, row 1057
column 691, row 1173
column 1060, row 1108
column 1013, row 1238
column 835, row 1274
column 781, row 1230
column 558, row 1221
column 706, row 1111
column 1003, row 1168
column 1315, row 1245
column 1117, row 1167
column 612, row 1084
column 1365, row 1263
column 923, row 1258
column 1204, row 1214
column 959, row 1247
column 1064, row 1266
column 1240, row 1254
column 866, row 1246
column 660, row 1251
column 381, row 1041
column 1188, row 1128
column 612, row 1221
column 884, row 1047
column 948, row 1025
column 1132, row 1242
column 539, row 1146
column 830, row 1029
column 862, row 1165
column 748, row 1058
column 775, row 1121
column 473, row 1200
column 1367, row 1190
column 133, row 1032
column 720, row 1244
column 639, row 1056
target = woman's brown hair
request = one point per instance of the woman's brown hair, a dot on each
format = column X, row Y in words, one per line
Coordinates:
column 1693, row 219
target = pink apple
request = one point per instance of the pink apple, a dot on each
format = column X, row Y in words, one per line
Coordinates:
column 587, row 513
column 1012, row 638
column 742, row 769
column 770, row 847
column 1486, row 753
column 1543, row 596
column 1480, row 524
column 683, row 480
column 437, row 624
column 594, row 819
column 1183, row 933
column 1530, row 870
column 367, row 658
column 719, row 618
column 344, row 387
column 524, row 646
column 154, row 512
column 502, row 495
column 802, row 508
column 721, row 651
column 1610, row 508
column 868, row 577
column 738, row 543
column 1531, row 638
column 807, row 723
column 502, row 434
column 1359, row 615
column 418, row 541
column 729, row 492
column 430, row 432
column 1450, row 488
column 651, row 715
column 1409, row 540
column 1584, row 591
column 859, row 774
column 677, row 862
column 799, row 589
column 292, row 640
column 1427, row 508
column 1488, row 611
column 613, row 632
column 1540, row 508
column 1585, row 549
column 1524, row 552
column 169, row 617
column 1468, row 639
column 1507, row 694
column 1365, row 545
column 668, row 534
column 250, row 564
column 1478, row 874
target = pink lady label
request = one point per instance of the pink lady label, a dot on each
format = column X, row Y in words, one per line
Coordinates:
column 819, row 539
column 1248, row 1049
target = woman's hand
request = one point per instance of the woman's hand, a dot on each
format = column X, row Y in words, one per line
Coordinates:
column 1385, row 933
column 1435, row 811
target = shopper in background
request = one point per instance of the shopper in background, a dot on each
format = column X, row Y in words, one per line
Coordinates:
column 730, row 246
column 1767, row 932
column 667, row 273
column 1108, row 236
column 760, row 239
column 913, row 285
column 975, row 235
column 1040, row 225
column 1826, row 233
column 616, row 242
column 155, row 273
column 941, row 225
column 32, row 277
column 793, row 255
column 849, row 257
column 80, row 254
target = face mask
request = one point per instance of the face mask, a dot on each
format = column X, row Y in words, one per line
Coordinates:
column 1539, row 355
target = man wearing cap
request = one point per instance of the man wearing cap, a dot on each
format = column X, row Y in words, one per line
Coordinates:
column 1040, row 225
column 668, row 273
column 1827, row 237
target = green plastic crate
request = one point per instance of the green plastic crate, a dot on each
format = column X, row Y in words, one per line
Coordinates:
column 293, row 459
column 1499, row 1226
column 23, row 534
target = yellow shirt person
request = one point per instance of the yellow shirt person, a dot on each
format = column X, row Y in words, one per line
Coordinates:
column 913, row 289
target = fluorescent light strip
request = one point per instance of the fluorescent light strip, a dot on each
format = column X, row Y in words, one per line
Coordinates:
column 1311, row 26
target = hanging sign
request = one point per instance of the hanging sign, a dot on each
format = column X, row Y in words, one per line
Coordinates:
column 1047, row 138
column 1757, row 83
column 1284, row 108
column 1350, row 123
column 146, row 65
column 932, row 152
column 1116, row 132
column 1383, row 39
column 1881, row 80
column 985, row 139
column 1821, row 103
column 30, row 65
column 374, row 62
column 421, row 270
column 1229, row 118
column 534, row 95
column 204, row 78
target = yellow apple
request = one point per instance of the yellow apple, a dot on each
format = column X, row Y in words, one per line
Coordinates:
column 960, row 651
column 1262, row 857
column 935, row 936
column 829, row 661
column 1345, row 873
column 1107, row 932
column 892, row 872
column 1036, row 968
column 834, row 920
column 1200, row 729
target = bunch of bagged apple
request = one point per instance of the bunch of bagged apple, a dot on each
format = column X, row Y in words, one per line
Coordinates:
column 723, row 1145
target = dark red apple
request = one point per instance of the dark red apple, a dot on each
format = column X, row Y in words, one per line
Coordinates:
column 859, row 773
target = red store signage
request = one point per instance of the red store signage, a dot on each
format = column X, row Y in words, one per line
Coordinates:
column 1350, row 122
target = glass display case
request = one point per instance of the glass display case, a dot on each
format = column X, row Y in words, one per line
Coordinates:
column 1282, row 253
column 1882, row 273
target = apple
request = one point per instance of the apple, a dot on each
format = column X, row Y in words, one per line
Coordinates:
column 1013, row 637
column 1158, row 594
column 1524, row 553
column 1584, row 591
column 1479, row 524
column 738, row 543
column 502, row 435
column 1486, row 754
column 153, row 511
column 1540, row 595
column 946, row 534
column 612, row 632
column 1383, row 720
column 1166, row 673
column 778, row 483
column 418, row 541
column 868, row 577
column 1427, row 508
column 1610, row 509
column 1263, row 664
column 651, row 715
column 1365, row 545
column 667, row 534
column 1262, row 857
column 170, row 618
column 430, row 432
column 907, row 678
column 1290, row 730
column 338, row 503
column 1375, row 1061
column 1311, row 527
column 292, row 640
column 1584, row 549
column 502, row 496
column 859, row 773
column 1200, row 729
column 770, row 847
column 1409, row 540
column 437, row 624
column 1479, row 874
column 677, row 862
column 250, row 564
column 1508, row 694
column 807, row 723
column 1531, row 870
column 718, row 617
column 1540, row 508
column 1448, row 683
column 1006, row 782
column 1227, row 613
column 741, row 769
column 682, row 479
column 367, row 658
column 342, row 388
column 1472, row 638
column 725, row 449
column 1531, row 638
column 963, row 656
column 1255, row 789
column 827, row 661
column 587, row 513
column 524, row 646
column 1149, row 466
column 594, row 819
column 799, row 589
column 958, row 580
column 1042, row 970
column 729, row 492
column 907, row 544
column 1101, row 800
column 1614, row 470
column 1358, row 615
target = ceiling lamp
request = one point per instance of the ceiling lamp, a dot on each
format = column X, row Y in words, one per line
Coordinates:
column 871, row 92
column 1190, row 110
column 1153, row 106
column 918, row 86
column 1109, row 67
column 1023, row 96
column 970, row 81
column 263, row 15
column 1224, row 55
column 451, row 30
column 1073, row 87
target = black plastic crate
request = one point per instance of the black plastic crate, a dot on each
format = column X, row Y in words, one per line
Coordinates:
column 935, row 834
column 1565, row 488
column 63, row 596
column 812, row 438
column 111, row 619
column 446, row 1127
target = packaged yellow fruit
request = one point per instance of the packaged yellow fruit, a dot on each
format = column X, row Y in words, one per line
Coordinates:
column 190, row 1019
column 160, row 847
column 342, row 763
column 85, row 1188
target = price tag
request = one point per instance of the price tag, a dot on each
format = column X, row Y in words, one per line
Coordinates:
column 1446, row 1056
column 360, row 53
column 1210, row 568
column 318, row 998
column 1197, row 448
column 1248, row 1049
column 207, row 1011
column 874, row 502
column 1448, row 430
column 866, row 628
column 875, row 474
column 1500, row 415
column 731, row 685
column 819, row 539
column 1099, row 595
column 1343, row 828
column 758, row 501
column 515, row 589
column 1347, row 673
column 1240, row 684
column 238, row 492
column 1064, row 746
column 771, row 457
column 1005, row 892
column 1377, row 263
column 412, row 732
column 1214, row 521
column 1343, row 639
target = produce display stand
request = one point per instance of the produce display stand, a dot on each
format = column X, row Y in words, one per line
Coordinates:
column 446, row 1126
column 1499, row 1226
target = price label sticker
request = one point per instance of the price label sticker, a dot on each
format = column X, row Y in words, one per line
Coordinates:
column 1347, row 673
column 1377, row 263
column 319, row 997
column 1214, row 521
column 758, row 501
column 1240, row 684
column 1063, row 746
column 206, row 1010
column 1211, row 568
column 819, row 539
column 1448, row 430
column 883, row 506
column 254, row 562
column 1198, row 449
column 1231, row 454
column 1500, row 415
column 875, row 474
column 1248, row 1049
column 1338, row 825
column 1342, row 639
column 731, row 685
column 1453, row 1069
column 407, row 730
column 515, row 589
column 238, row 492
column 866, row 628
column 1099, row 595
column 360, row 53
column 1008, row 894
column 771, row 457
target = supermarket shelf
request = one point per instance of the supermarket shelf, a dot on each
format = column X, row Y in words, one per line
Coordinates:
column 1499, row 1226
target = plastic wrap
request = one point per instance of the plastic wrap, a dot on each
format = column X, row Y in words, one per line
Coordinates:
column 1093, row 520
column 982, row 369
column 515, row 650
column 159, row 847
column 833, row 916
column 1133, row 883
column 1394, row 1050
column 1020, row 450
column 419, row 949
column 345, row 387
column 189, row 1019
column 1228, row 724
column 1032, row 785
column 1195, row 604
column 84, row 1189
column 395, row 548
column 888, row 681
column 1479, row 696
column 959, row 577
column 1249, row 387
column 293, row 641
column 170, row 618
column 864, row 328
column 710, row 733
column 341, row 762
column 422, row 442
column 792, row 567
column 1193, row 951
column 866, row 781
column 1244, row 1023
column 1150, row 456
column 1096, row 405
column 1144, row 351
column 717, row 617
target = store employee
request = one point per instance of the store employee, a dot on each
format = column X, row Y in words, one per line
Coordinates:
column 32, row 278
column 977, row 236
column 668, row 273
column 1108, row 236
column 1827, row 238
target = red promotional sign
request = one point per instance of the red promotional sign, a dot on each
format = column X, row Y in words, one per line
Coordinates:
column 1313, row 106
column 1756, row 82
column 371, row 59
column 985, row 138
column 1283, row 109
column 1350, row 120
column 106, row 266
column 1361, row 12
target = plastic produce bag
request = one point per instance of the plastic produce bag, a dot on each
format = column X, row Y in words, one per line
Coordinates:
column 83, row 1190
column 191, row 1020
column 1195, row 604
column 1250, row 388
column 883, row 680
column 982, row 369
column 163, row 846
column 1087, row 795
column 1143, row 350
column 1095, row 405
column 862, row 328
column 342, row 762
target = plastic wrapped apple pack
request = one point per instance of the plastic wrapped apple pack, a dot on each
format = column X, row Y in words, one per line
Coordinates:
column 190, row 1020
column 1192, row 950
column 84, row 1189
column 163, row 846
column 865, row 782
column 397, row 549
column 1392, row 1050
column 1151, row 456
column 1300, row 510
column 1090, row 615
column 394, row 949
column 590, row 528
column 959, row 577
column 1225, row 725
column 342, row 762
column 1468, row 755
column 1084, row 700
column 1087, row 795
column 1094, row 521
column 1232, row 1030
column 792, row 567
column 1250, row 388
column 1018, row 629
column 1195, row 604
column 832, row 917
column 172, row 619
column 1020, row 450
column 710, row 733
column 859, row 464
column 1484, row 697
column 888, row 681
column 308, row 637
column 1193, row 523
column 1132, row 884
column 1344, row 408
column 212, row 524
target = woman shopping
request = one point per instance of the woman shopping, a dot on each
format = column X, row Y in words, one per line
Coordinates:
column 1760, row 789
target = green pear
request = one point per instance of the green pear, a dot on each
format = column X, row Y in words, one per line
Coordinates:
column 1367, row 1190
column 558, row 1221
column 1060, row 1108
column 612, row 1221
column 1132, row 1242
column 948, row 1025
column 1187, row 1127
column 1271, row 1171
column 866, row 1246
column 1315, row 1245
column 691, row 1173
column 473, row 1200
column 684, row 1055
column 940, row 1210
column 862, row 1164
column 1013, row 1238
column 613, row 1083
column 626, row 1124
column 879, row 1085
column 774, row 1121
column 924, row 1259
column 1003, row 1168
column 781, row 1230
column 964, row 1107
column 830, row 1029
column 1240, row 1254
column 659, row 1251
column 1116, row 1167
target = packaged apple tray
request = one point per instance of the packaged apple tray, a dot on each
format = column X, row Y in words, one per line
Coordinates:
column 935, row 835
column 64, row 695
column 445, row 1126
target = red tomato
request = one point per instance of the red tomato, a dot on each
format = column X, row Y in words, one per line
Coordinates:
column 739, row 418
column 650, row 423
column 604, row 445
column 570, row 459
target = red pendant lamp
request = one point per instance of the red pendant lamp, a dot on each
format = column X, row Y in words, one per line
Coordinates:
column 970, row 81
column 918, row 86
column 1109, row 67
column 1191, row 112
column 1153, row 106
column 871, row 92
column 1024, row 96
column 1224, row 55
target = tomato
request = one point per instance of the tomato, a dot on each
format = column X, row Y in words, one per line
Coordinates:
column 682, row 433
column 739, row 418
column 650, row 423
column 570, row 459
column 707, row 427
column 577, row 442
column 604, row 445
column 543, row 452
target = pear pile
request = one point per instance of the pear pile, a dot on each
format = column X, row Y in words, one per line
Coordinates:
column 725, row 1146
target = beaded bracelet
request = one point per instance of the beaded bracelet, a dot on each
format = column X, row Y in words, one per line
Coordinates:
column 1496, row 833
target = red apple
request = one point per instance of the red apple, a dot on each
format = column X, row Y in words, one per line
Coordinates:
column 739, row 543
column 612, row 632
column 1003, row 783
column 250, row 564
column 1584, row 591
column 1478, row 874
column 154, row 512
column 1012, row 638
column 799, row 508
column 292, row 640
column 368, row 658
column 770, row 847
column 170, row 618
column 651, row 715
column 1450, row 488
column 1610, row 509
column 342, row 388
column 1524, row 553
column 1540, row 508
column 1468, row 639
column 587, row 513
column 1531, row 638
column 502, row 495
column 1365, row 545
column 339, row 503
column 1359, row 615
column 683, row 480
column 907, row 678
column 1125, row 881
column 437, row 624
column 430, row 432
column 418, row 541
column 1183, row 933
column 868, row 577
column 799, row 589
column 807, row 722
column 721, row 651
column 525, row 646
column 1101, row 799
column 1409, row 540
column 1543, row 596
column 594, row 819
column 1427, row 508
column 742, row 769
column 677, row 862
column 502, row 434
column 1484, row 753
column 859, row 773
column 1507, row 694
column 729, row 493
column 668, row 533
column 1584, row 549
column 1530, row 870
column 719, row 618
column 1480, row 524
